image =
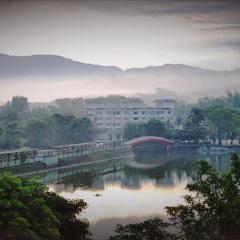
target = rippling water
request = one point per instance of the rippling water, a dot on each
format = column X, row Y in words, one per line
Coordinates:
column 130, row 189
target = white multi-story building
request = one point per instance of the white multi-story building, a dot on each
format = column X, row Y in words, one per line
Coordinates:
column 112, row 102
column 111, row 114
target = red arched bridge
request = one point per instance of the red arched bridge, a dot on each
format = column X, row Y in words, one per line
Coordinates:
column 150, row 139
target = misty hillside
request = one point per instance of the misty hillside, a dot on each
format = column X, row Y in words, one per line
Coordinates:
column 45, row 77
column 49, row 66
column 53, row 65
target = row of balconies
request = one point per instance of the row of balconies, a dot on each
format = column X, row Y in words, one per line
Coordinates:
column 105, row 119
column 124, row 114
column 120, row 122
column 133, row 113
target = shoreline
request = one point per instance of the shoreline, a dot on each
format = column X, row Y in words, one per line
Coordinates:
column 69, row 166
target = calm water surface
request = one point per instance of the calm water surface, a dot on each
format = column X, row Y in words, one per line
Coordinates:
column 130, row 189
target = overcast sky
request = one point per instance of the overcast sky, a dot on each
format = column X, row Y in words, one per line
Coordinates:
column 125, row 33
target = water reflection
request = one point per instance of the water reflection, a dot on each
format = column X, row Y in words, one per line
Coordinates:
column 131, row 188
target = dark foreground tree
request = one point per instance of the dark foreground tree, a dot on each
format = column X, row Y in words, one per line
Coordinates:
column 153, row 229
column 66, row 211
column 211, row 210
column 29, row 211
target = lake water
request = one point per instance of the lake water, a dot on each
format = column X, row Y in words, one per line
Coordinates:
column 130, row 189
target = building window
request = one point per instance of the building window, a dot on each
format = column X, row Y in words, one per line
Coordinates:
column 135, row 113
column 135, row 118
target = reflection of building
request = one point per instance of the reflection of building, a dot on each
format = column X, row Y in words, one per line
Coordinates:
column 110, row 114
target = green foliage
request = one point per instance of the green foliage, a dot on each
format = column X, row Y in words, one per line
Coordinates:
column 19, row 104
column 215, row 122
column 24, row 214
column 66, row 211
column 69, row 129
column 182, row 109
column 211, row 210
column 225, row 120
column 29, row 211
column 206, row 102
column 153, row 127
column 69, row 106
column 133, row 130
column 190, row 134
column 156, row 127
column 196, row 117
column 19, row 128
column 11, row 135
column 147, row 230
column 36, row 133
column 193, row 129
column 233, row 99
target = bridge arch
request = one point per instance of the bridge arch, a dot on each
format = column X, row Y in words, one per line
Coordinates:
column 150, row 139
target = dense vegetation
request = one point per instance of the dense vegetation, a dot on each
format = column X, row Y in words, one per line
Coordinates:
column 211, row 210
column 20, row 126
column 29, row 211
column 153, row 127
column 210, row 119
column 43, row 125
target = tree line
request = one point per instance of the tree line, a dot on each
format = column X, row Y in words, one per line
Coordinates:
column 215, row 123
column 19, row 126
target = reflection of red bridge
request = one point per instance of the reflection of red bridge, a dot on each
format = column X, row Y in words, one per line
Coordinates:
column 150, row 139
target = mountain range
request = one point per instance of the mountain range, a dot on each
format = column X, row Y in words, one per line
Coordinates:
column 54, row 66
column 84, row 79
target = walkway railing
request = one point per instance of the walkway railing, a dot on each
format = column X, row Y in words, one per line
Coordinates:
column 54, row 155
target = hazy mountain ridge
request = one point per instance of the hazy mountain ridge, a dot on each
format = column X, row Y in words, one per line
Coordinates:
column 54, row 66
column 50, row 76
column 49, row 66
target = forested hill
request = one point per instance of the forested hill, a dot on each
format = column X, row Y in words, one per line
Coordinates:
column 49, row 66
column 53, row 65
column 40, row 72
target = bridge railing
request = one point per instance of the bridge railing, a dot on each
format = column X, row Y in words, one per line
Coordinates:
column 52, row 156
